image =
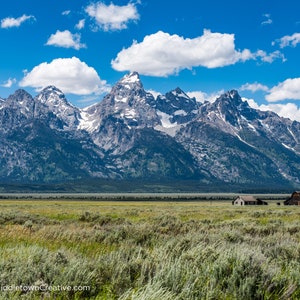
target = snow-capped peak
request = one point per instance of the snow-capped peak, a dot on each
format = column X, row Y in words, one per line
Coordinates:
column 129, row 89
column 52, row 96
column 57, row 103
column 129, row 82
column 132, row 77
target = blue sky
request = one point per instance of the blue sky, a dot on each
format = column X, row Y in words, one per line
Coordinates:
column 204, row 47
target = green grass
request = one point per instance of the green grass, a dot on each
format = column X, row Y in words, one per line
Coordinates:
column 149, row 250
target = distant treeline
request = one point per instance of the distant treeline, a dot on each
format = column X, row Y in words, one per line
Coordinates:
column 91, row 186
column 136, row 197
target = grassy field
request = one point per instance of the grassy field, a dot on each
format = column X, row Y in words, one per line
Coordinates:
column 148, row 250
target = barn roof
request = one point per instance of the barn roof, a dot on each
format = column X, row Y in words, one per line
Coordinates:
column 248, row 198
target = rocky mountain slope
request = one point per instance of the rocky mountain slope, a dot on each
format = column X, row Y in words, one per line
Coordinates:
column 131, row 135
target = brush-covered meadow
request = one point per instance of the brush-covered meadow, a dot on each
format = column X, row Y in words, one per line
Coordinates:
column 53, row 249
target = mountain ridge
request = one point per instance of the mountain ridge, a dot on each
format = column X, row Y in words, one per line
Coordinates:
column 130, row 135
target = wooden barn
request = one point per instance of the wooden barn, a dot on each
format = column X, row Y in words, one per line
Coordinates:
column 294, row 199
column 248, row 200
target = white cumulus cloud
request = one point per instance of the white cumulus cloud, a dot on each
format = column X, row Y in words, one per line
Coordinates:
column 288, row 110
column 80, row 25
column 288, row 89
column 162, row 54
column 9, row 82
column 199, row 95
column 203, row 96
column 112, row 17
column 65, row 39
column 70, row 75
column 269, row 57
column 15, row 22
column 254, row 87
column 288, row 40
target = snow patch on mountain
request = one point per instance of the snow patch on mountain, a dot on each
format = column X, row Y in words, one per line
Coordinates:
column 132, row 77
column 165, row 120
column 180, row 112
column 121, row 99
column 167, row 126
column 87, row 121
column 293, row 135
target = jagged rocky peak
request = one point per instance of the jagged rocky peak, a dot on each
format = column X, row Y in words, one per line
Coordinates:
column 231, row 97
column 20, row 95
column 130, row 81
column 130, row 90
column 132, row 77
column 22, row 101
column 16, row 109
column 176, row 100
column 231, row 108
column 53, row 95
column 232, row 102
column 56, row 102
column 178, row 95
column 178, row 92
column 127, row 104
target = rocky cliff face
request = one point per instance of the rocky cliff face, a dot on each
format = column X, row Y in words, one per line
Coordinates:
column 130, row 134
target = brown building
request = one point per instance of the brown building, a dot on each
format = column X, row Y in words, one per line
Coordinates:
column 248, row 200
column 293, row 200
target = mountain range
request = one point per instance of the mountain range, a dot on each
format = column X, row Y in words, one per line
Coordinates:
column 132, row 136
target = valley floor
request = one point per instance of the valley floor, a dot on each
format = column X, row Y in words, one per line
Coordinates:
column 57, row 249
